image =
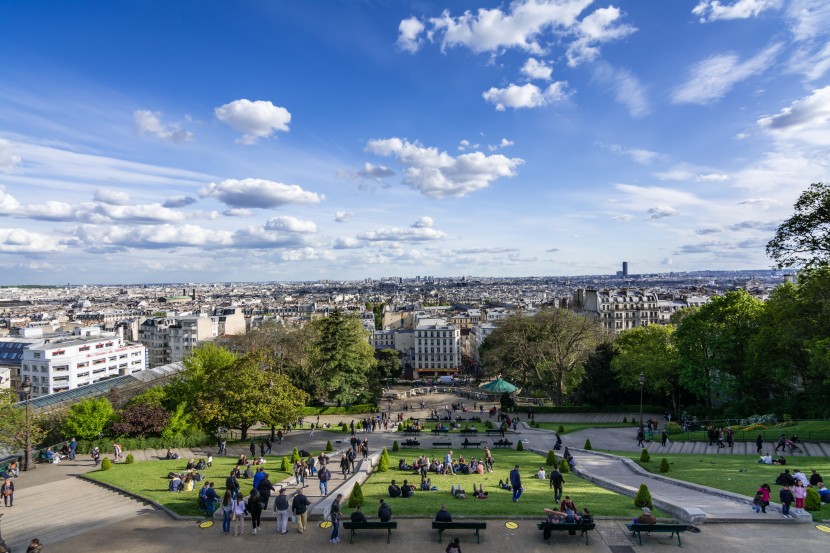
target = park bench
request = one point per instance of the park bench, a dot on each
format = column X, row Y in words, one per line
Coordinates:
column 441, row 526
column 494, row 432
column 470, row 432
column 467, row 444
column 570, row 527
column 502, row 443
column 411, row 431
column 374, row 525
column 436, row 445
column 433, row 419
column 440, row 431
column 6, row 462
column 411, row 443
column 638, row 529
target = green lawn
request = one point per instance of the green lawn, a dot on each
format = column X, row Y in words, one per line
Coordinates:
column 808, row 431
column 536, row 497
column 574, row 427
column 149, row 479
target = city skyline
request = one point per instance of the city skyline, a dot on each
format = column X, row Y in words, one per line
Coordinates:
column 262, row 141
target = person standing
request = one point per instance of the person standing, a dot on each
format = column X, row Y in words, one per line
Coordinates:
column 239, row 509
column 556, row 481
column 344, row 465
column 73, row 445
column 255, row 510
column 299, row 506
column 324, row 475
column 34, row 546
column 7, row 489
column 96, row 456
column 335, row 519
column 799, row 492
column 227, row 510
column 252, row 447
column 759, row 443
column 764, row 490
column 786, row 497
column 516, row 483
column 281, row 510
column 664, row 438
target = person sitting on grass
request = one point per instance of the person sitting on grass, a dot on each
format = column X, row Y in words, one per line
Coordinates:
column 394, row 489
column 765, row 459
column 402, row 465
column 426, row 484
column 176, row 484
column 407, row 490
column 823, row 492
column 457, row 492
column 479, row 493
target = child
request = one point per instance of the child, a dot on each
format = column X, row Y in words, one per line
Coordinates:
column 800, row 492
column 454, row 546
column 764, row 490
column 787, row 498
column 758, row 502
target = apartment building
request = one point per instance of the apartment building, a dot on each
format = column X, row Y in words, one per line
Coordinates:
column 437, row 348
column 619, row 309
column 171, row 339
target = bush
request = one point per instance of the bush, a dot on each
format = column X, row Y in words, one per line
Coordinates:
column 551, row 460
column 488, row 425
column 813, row 501
column 625, row 420
column 563, row 467
column 644, row 456
column 356, row 498
column 587, row 444
column 561, row 429
column 328, row 446
column 195, row 439
column 383, row 463
column 285, row 466
column 643, row 498
column 673, row 428
column 106, row 464
column 88, row 418
column 520, row 446
column 295, row 456
column 395, row 446
column 664, row 465
column 130, row 459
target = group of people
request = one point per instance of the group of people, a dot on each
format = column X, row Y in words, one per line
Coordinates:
column 449, row 465
column 793, row 491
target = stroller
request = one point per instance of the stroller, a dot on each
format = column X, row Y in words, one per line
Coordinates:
column 789, row 444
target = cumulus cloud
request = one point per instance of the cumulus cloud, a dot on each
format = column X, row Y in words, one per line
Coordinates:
column 113, row 238
column 712, row 177
column 625, row 86
column 806, row 120
column 761, row 202
column 638, row 155
column 258, row 193
column 599, row 27
column 535, row 69
column 525, row 96
column 8, row 159
column 661, row 211
column 623, row 218
column 51, row 210
column 267, row 238
column 503, row 144
column 343, row 216
column 179, row 201
column 713, row 10
column 8, row 204
column 238, row 212
column 438, row 174
column 141, row 214
column 305, row 254
column 420, row 231
column 255, row 120
column 15, row 240
column 375, row 172
column 409, row 32
column 711, row 79
column 287, row 223
column 112, row 197
column 347, row 243
column 149, row 122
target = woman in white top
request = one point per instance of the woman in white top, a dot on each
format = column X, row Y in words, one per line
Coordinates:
column 239, row 510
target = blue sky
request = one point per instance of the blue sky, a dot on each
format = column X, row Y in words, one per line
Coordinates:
column 152, row 141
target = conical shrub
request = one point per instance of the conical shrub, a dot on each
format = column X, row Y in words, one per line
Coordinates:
column 285, row 466
column 295, row 456
column 664, row 465
column 551, row 460
column 563, row 467
column 383, row 463
column 328, row 446
column 356, row 498
column 395, row 446
column 645, row 457
column 588, row 444
column 813, row 500
column 643, row 498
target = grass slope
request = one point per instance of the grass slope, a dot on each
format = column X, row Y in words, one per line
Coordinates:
column 808, row 431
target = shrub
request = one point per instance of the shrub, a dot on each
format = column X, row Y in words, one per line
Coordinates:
column 625, row 419
column 551, row 460
column 488, row 425
column 520, row 446
column 813, row 501
column 383, row 463
column 196, row 439
column 643, row 498
column 88, row 418
column 563, row 467
column 356, row 498
column 664, row 465
column 587, row 444
column 328, row 446
column 130, row 459
column 106, row 464
column 561, row 429
column 673, row 428
column 395, row 446
column 285, row 466
column 344, row 427
column 295, row 456
column 644, row 456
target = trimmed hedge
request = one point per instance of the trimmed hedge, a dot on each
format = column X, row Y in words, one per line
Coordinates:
column 643, row 498
column 106, row 464
column 196, row 439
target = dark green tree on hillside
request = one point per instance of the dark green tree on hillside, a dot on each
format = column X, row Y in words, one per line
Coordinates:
column 599, row 385
column 13, row 423
column 648, row 350
column 803, row 240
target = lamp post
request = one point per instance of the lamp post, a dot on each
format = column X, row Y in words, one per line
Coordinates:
column 28, row 462
column 642, row 381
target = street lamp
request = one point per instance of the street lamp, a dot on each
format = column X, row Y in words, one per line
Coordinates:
column 642, row 381
column 28, row 462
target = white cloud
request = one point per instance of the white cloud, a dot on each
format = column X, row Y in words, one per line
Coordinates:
column 8, row 204
column 112, row 197
column 438, row 174
column 637, row 196
column 375, row 172
column 712, row 177
column 742, row 136
column 343, row 216
column 638, row 155
column 255, row 120
column 50, row 211
column 112, row 238
column 8, row 159
column 808, row 19
column 259, row 193
column 661, row 211
column 347, row 243
column 701, row 247
column 266, row 238
column 503, row 144
column 599, row 27
column 288, row 223
column 535, row 69
column 707, row 230
column 149, row 122
column 15, row 240
column 713, row 10
column 423, row 222
column 420, row 231
column 305, row 254
column 623, row 218
column 626, row 88
column 409, row 34
column 763, row 203
column 525, row 96
column 806, row 120
column 666, row 261
column 179, row 201
column 141, row 214
column 711, row 79
column 238, row 212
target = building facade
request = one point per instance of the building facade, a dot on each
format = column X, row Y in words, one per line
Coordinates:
column 437, row 348
column 619, row 309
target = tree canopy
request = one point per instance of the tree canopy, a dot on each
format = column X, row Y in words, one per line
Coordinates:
column 650, row 351
column 803, row 240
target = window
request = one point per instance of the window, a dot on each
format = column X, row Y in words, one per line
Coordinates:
column 37, row 355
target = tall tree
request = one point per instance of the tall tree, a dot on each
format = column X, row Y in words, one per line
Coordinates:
column 87, row 419
column 650, row 351
column 599, row 385
column 545, row 351
column 803, row 240
column 13, row 423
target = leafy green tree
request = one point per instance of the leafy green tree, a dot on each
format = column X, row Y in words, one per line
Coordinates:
column 152, row 397
column 208, row 358
column 88, row 418
column 180, row 423
column 13, row 423
column 648, row 350
column 546, row 351
column 803, row 240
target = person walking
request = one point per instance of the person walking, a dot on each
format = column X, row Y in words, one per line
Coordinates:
column 641, row 435
column 252, row 447
column 255, row 510
column 299, row 506
column 335, row 519
column 7, row 489
column 759, row 443
column 324, row 475
column 516, row 483
column 281, row 510
column 556, row 481
column 344, row 465
column 238, row 515
column 96, row 456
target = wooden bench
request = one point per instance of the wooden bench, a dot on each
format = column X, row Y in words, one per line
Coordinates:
column 441, row 526
column 436, row 445
column 388, row 526
column 411, row 444
column 495, row 432
column 570, row 527
column 638, row 529
column 503, row 444
column 440, row 430
column 470, row 432
column 466, row 444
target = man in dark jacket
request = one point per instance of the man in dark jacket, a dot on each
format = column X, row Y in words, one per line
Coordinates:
column 324, row 475
column 785, row 479
column 516, row 483
column 358, row 516
column 443, row 515
column 232, row 485
column 299, row 506
column 787, row 498
column 384, row 511
column 265, row 488
column 556, row 481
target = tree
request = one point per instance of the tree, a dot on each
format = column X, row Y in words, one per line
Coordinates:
column 208, row 358
column 13, row 423
column 544, row 351
column 87, row 419
column 599, row 385
column 140, row 420
column 803, row 240
column 153, row 397
column 643, row 498
column 648, row 350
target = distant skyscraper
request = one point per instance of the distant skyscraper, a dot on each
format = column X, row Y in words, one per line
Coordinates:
column 625, row 269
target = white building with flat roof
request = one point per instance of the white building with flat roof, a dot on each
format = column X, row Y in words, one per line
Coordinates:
column 437, row 348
